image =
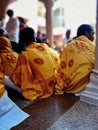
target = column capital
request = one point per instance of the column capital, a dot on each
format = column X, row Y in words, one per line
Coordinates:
column 3, row 6
column 48, row 3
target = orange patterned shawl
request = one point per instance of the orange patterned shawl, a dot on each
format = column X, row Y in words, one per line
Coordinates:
column 76, row 63
column 8, row 60
column 8, row 56
column 35, row 71
column 2, row 88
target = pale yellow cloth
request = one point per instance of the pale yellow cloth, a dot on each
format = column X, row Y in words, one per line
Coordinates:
column 76, row 63
column 8, row 56
column 35, row 71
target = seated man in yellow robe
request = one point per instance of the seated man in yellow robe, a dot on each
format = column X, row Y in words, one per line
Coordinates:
column 8, row 58
column 76, row 62
column 7, row 55
column 36, row 67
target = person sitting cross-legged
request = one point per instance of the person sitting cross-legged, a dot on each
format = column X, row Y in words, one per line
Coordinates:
column 36, row 68
column 76, row 62
column 8, row 58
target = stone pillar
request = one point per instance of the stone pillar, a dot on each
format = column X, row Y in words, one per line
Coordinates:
column 49, row 21
column 3, row 5
column 90, row 94
column 29, row 13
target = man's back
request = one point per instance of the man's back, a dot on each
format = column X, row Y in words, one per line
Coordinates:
column 35, row 71
column 12, row 28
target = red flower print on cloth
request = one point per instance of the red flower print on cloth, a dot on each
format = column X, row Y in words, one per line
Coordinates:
column 68, row 81
column 62, row 75
column 81, row 46
column 63, row 65
column 38, row 61
column 40, row 48
column 70, row 63
column 52, row 83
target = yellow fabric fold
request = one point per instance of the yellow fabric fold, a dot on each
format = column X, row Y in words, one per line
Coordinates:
column 2, row 88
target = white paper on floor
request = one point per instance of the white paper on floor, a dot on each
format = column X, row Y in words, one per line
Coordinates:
column 10, row 114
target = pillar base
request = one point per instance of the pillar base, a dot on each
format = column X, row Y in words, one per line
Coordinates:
column 90, row 94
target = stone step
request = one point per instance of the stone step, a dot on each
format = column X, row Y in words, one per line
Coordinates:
column 89, row 97
column 92, row 89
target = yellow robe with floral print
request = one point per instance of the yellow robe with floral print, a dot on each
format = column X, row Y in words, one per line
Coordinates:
column 2, row 88
column 35, row 71
column 76, row 62
column 8, row 60
column 8, row 56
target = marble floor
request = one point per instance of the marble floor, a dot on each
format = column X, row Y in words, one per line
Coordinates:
column 80, row 116
column 58, row 112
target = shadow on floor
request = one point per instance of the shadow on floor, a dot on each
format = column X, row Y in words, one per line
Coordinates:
column 17, row 98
